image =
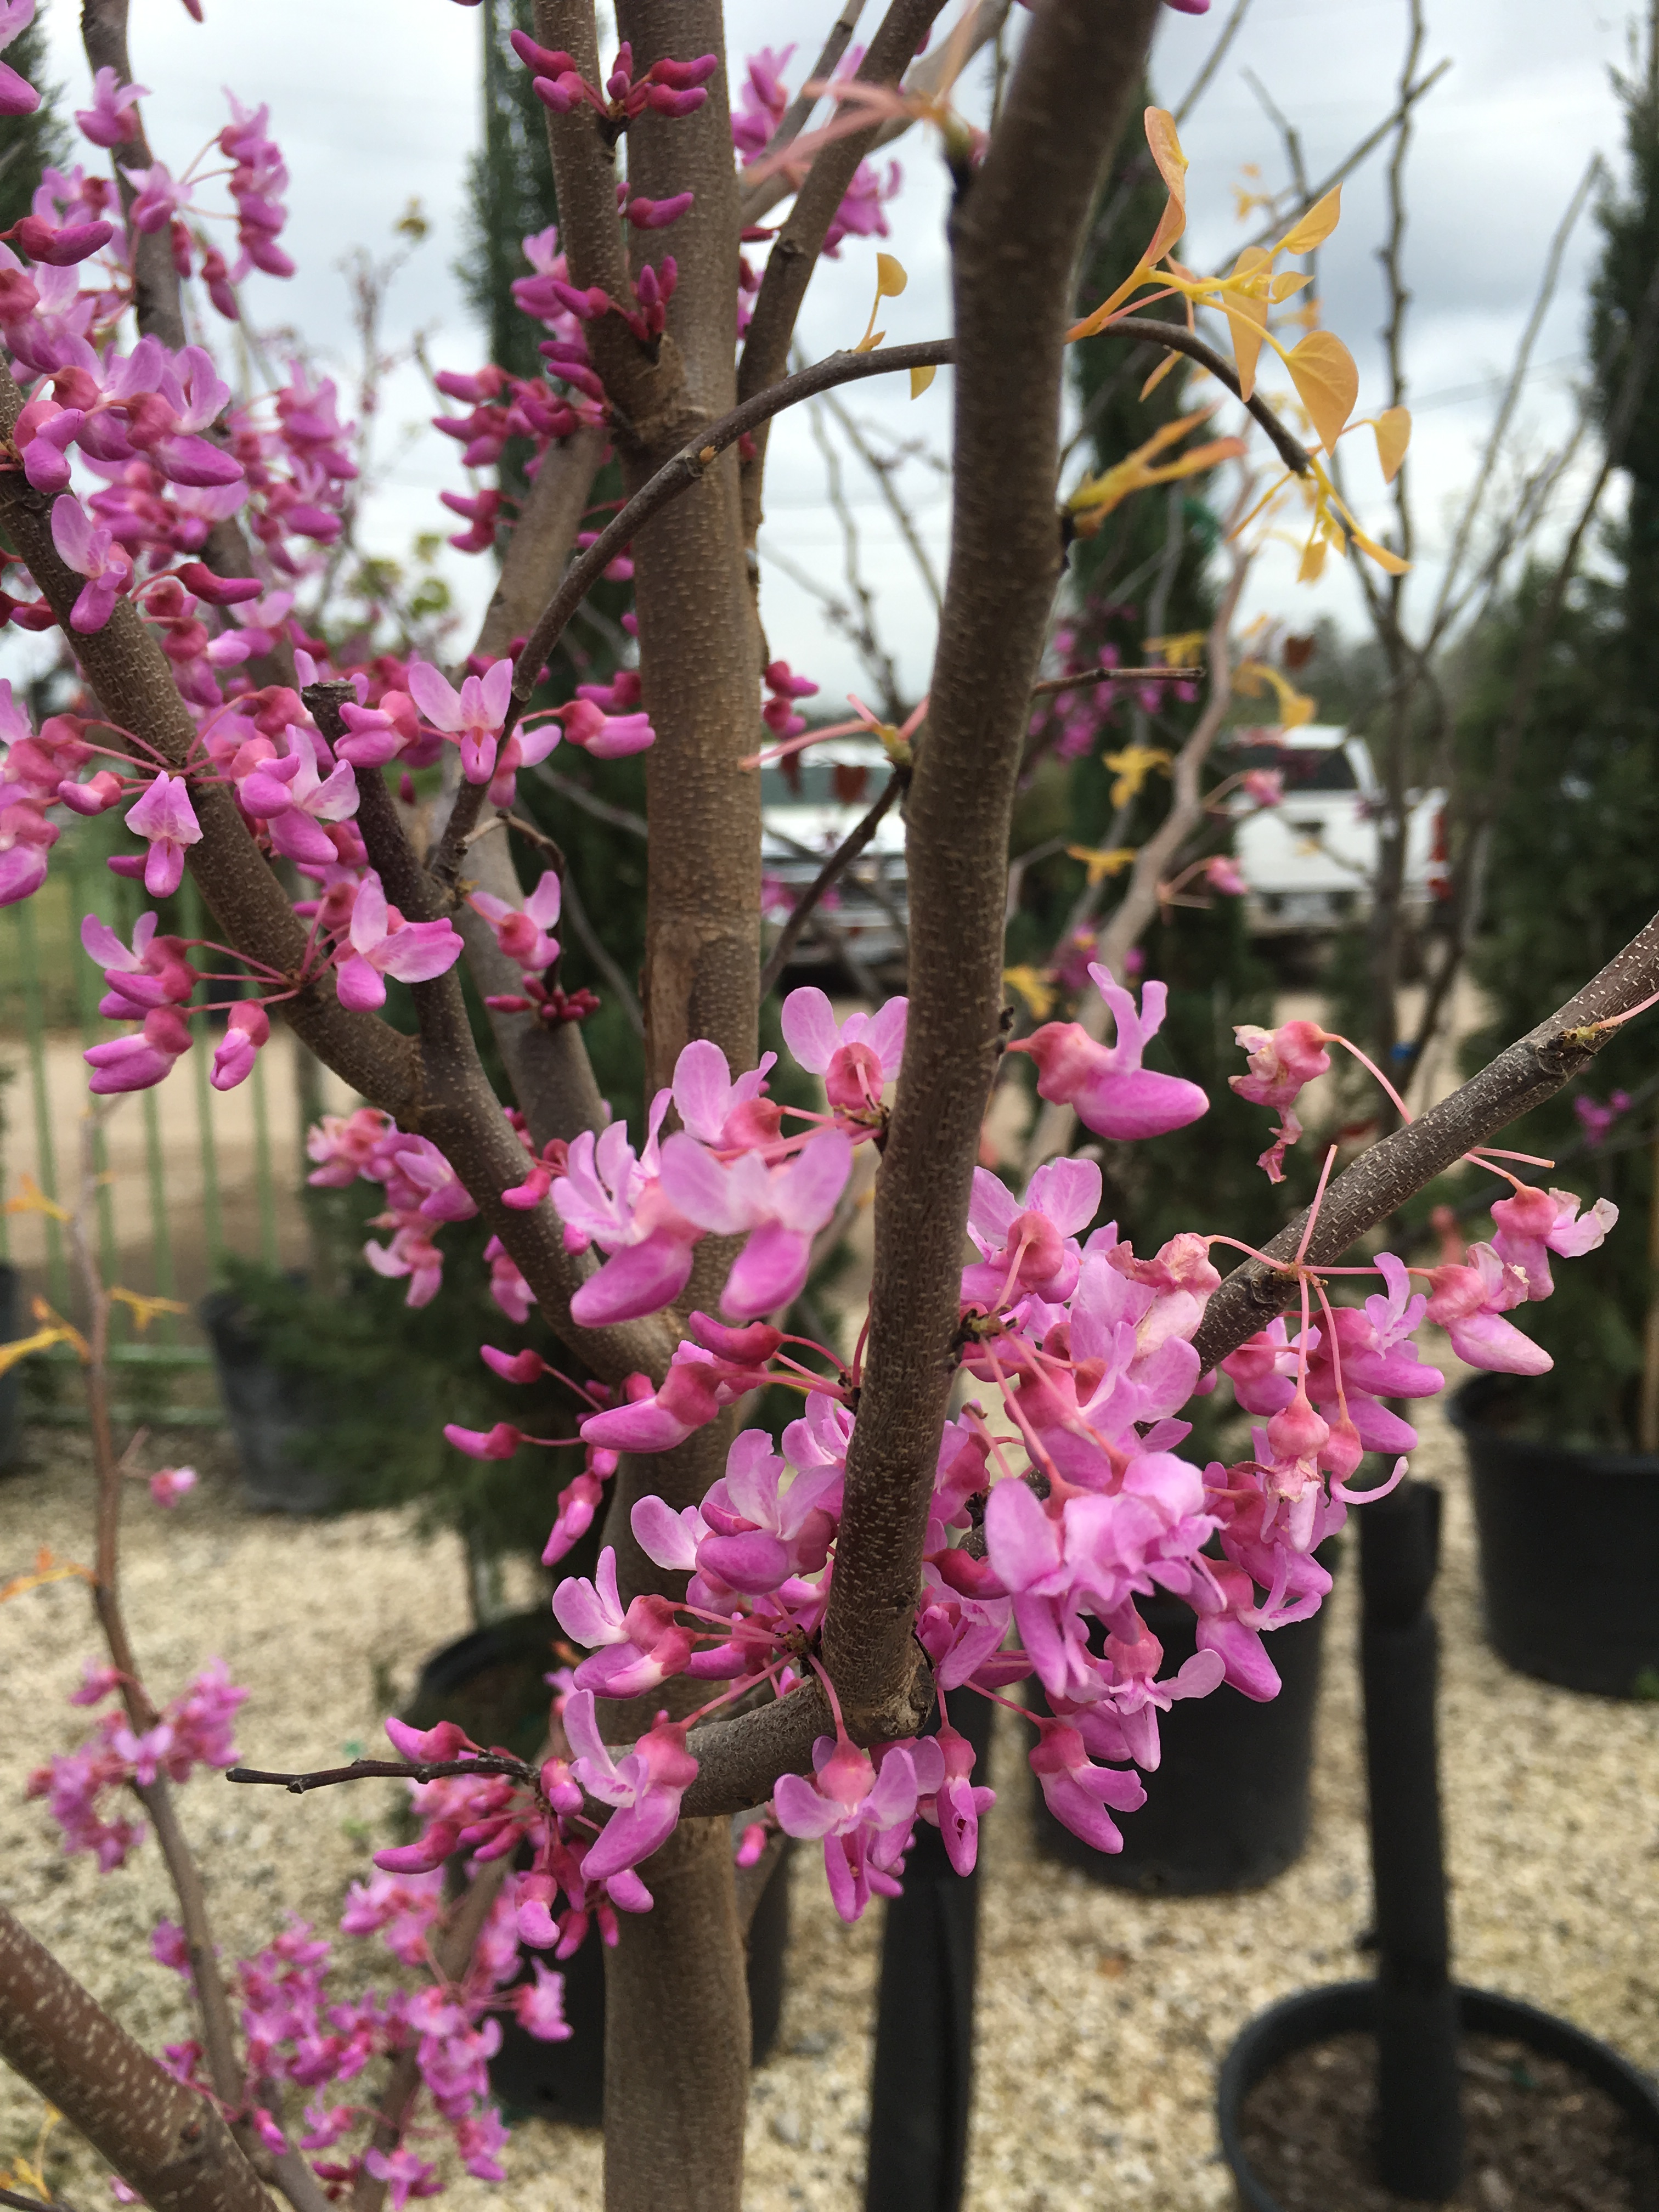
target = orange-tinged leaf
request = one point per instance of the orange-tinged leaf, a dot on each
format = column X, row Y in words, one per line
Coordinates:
column 1158, row 374
column 1316, row 227
column 1313, row 561
column 920, row 379
column 1327, row 383
column 1246, row 322
column 1381, row 555
column 891, row 279
column 1165, row 148
column 1288, row 281
column 1393, row 434
column 31, row 1199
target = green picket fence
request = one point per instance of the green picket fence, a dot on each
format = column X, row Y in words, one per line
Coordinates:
column 167, row 1215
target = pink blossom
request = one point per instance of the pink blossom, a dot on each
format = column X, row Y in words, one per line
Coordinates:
column 521, row 931
column 634, row 1650
column 606, row 736
column 246, row 1029
column 956, row 1807
column 539, row 2006
column 857, row 1058
column 110, row 119
column 168, row 1484
column 1282, row 1061
column 405, row 2173
column 645, row 1786
column 17, row 96
column 134, row 1062
column 1114, row 1094
column 1076, row 1791
column 698, row 1385
column 717, row 1111
column 1031, row 1247
column 473, row 716
column 94, row 554
column 25, row 838
column 1532, row 1223
column 854, row 1809
column 1469, row 1302
column 383, row 943
column 781, row 1209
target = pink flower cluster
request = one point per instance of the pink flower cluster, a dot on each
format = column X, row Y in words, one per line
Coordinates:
column 194, row 1730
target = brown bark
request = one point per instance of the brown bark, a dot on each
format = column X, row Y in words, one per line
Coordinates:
column 165, row 2141
column 1016, row 239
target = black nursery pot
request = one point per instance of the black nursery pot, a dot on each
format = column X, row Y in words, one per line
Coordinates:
column 1313, row 2016
column 1227, row 1806
column 275, row 1415
column 493, row 1683
column 11, row 1383
column 1569, row 1551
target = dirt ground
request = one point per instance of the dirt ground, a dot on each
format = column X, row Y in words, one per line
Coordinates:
column 1102, row 2016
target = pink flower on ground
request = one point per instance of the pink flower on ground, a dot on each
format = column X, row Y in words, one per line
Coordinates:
column 781, row 1208
column 473, row 716
column 383, row 943
column 165, row 815
column 134, row 1062
column 247, row 1029
column 168, row 1484
column 92, row 553
column 857, row 1058
column 1114, row 1094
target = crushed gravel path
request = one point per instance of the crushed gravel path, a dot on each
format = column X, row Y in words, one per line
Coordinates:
column 1103, row 2016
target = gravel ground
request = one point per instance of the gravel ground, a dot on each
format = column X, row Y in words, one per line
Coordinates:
column 1102, row 2016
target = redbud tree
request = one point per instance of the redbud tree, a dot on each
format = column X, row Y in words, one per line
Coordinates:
column 982, row 1491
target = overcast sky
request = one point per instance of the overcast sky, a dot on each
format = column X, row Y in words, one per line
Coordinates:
column 374, row 102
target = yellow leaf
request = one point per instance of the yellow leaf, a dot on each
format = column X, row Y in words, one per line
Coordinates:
column 31, row 1199
column 21, row 1347
column 1102, row 864
column 1393, row 434
column 1131, row 767
column 1286, row 284
column 1184, row 650
column 1327, row 383
column 1316, row 227
column 144, row 1310
column 891, row 279
column 1313, row 561
column 1247, row 316
column 920, row 379
column 1295, row 707
column 1033, row 985
column 1381, row 555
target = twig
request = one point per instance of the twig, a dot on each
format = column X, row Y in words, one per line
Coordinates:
column 1053, row 683
column 392, row 1769
column 883, row 472
column 793, row 119
column 1176, row 338
column 879, row 660
column 619, row 817
column 1212, row 61
column 848, row 851
column 11, row 2195
column 1384, row 1176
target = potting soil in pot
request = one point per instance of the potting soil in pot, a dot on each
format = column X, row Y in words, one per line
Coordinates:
column 1539, row 2137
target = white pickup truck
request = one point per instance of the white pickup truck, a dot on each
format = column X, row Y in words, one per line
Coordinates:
column 1310, row 862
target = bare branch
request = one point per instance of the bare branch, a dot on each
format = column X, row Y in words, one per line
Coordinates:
column 388, row 1770
column 1384, row 1176
column 844, row 854
column 167, row 2141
